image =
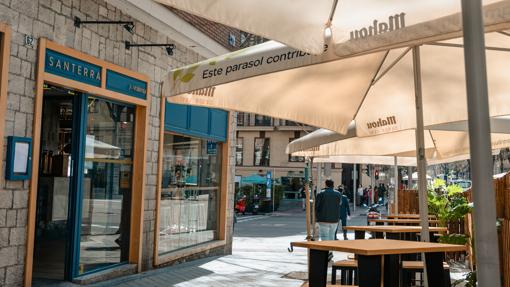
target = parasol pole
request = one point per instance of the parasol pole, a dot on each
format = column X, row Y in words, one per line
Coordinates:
column 421, row 161
column 420, row 148
column 486, row 236
column 307, row 202
column 395, row 189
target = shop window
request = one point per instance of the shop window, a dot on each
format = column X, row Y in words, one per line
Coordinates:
column 239, row 151
column 261, row 154
column 190, row 188
column 295, row 158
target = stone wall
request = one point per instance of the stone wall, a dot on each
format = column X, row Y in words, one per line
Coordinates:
column 53, row 19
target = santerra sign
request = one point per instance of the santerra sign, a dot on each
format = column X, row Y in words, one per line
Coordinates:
column 395, row 22
column 388, row 121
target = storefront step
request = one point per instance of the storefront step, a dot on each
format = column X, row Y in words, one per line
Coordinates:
column 107, row 274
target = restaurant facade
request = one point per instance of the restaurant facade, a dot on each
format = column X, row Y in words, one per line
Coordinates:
column 102, row 177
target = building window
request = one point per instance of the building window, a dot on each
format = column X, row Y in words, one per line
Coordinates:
column 291, row 123
column 262, row 120
column 240, row 119
column 239, row 151
column 261, row 152
column 295, row 158
column 190, row 188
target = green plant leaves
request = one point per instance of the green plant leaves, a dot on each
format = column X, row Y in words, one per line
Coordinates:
column 460, row 239
column 447, row 202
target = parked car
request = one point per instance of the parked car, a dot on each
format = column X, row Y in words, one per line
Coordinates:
column 464, row 183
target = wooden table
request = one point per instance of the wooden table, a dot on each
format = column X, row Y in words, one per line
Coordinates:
column 401, row 221
column 371, row 254
column 392, row 231
column 406, row 216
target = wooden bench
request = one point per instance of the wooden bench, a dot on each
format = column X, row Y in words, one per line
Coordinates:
column 348, row 271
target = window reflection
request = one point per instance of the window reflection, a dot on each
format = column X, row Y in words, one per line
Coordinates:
column 189, row 193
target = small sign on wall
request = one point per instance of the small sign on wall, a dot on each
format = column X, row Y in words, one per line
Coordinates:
column 212, row 148
column 19, row 158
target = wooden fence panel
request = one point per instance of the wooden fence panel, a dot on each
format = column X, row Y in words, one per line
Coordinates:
column 504, row 245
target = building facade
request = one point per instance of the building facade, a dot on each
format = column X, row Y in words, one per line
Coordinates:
column 100, row 176
column 260, row 148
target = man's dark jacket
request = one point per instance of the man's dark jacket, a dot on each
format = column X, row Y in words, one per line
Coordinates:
column 327, row 206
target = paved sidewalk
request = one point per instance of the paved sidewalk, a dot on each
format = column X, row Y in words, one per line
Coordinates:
column 260, row 257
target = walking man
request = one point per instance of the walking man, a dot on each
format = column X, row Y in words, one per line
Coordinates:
column 327, row 211
column 345, row 213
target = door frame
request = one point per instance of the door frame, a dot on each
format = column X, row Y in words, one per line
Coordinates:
column 139, row 150
column 5, row 45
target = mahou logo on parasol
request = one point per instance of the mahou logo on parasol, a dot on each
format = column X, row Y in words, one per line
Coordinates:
column 395, row 22
column 388, row 121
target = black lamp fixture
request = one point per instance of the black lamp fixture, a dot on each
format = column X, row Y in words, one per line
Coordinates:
column 168, row 47
column 128, row 25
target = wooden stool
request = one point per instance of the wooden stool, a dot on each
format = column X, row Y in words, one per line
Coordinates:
column 411, row 268
column 348, row 272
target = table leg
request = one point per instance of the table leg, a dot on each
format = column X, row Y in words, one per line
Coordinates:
column 359, row 234
column 390, row 235
column 435, row 270
column 318, row 268
column 391, row 270
column 369, row 271
column 432, row 237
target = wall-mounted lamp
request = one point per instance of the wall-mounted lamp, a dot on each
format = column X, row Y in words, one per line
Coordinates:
column 128, row 25
column 168, row 47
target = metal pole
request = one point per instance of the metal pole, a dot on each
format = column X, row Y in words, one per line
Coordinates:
column 372, row 182
column 307, row 202
column 486, row 237
column 395, row 189
column 317, row 188
column 274, row 185
column 313, row 200
column 354, row 187
column 420, row 148
column 409, row 177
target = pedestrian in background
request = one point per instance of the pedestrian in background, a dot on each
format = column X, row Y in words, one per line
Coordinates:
column 327, row 211
column 359, row 195
column 302, row 193
column 345, row 213
column 382, row 192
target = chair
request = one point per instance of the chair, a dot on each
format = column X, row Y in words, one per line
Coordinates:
column 348, row 272
column 411, row 268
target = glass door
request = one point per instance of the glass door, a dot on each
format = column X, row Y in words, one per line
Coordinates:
column 107, row 173
column 84, row 188
column 58, row 145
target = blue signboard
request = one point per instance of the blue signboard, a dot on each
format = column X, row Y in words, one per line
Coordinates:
column 72, row 68
column 125, row 85
column 198, row 122
column 211, row 148
column 269, row 176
